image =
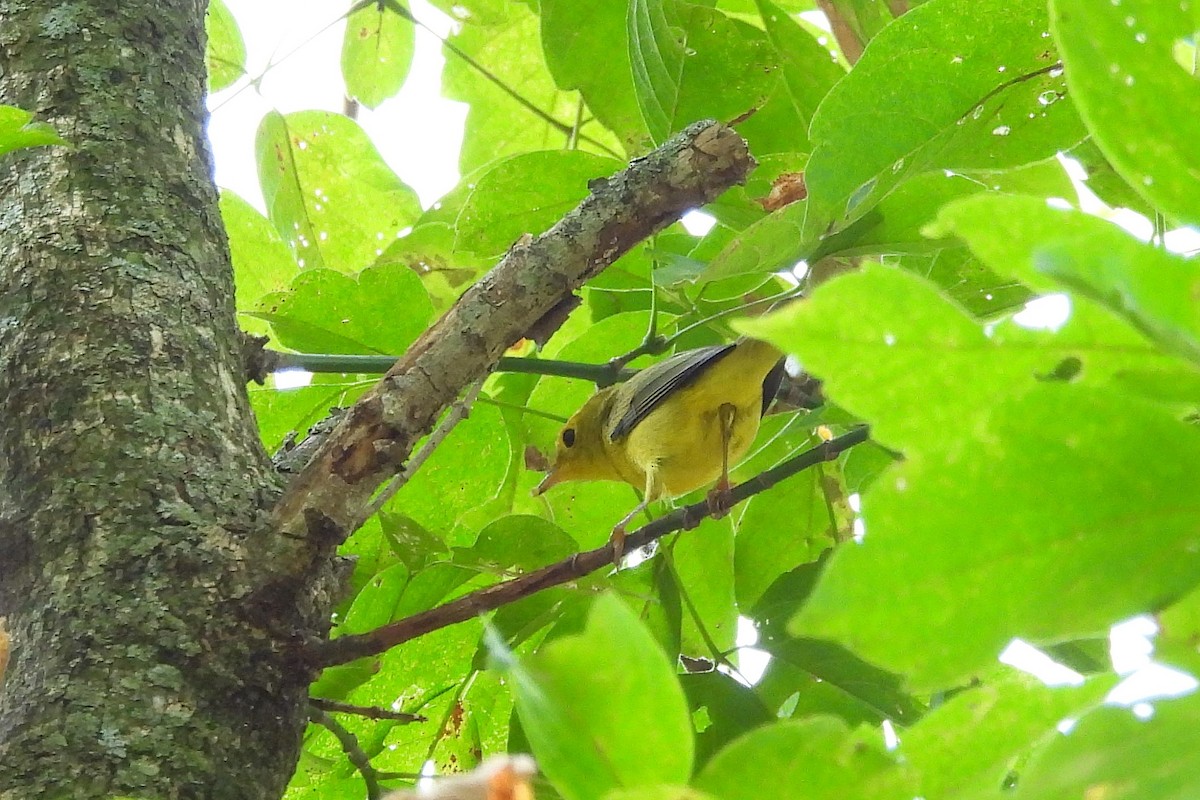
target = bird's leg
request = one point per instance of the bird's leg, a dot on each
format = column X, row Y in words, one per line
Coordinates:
column 617, row 540
column 718, row 497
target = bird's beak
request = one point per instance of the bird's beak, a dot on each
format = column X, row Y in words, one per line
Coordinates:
column 552, row 477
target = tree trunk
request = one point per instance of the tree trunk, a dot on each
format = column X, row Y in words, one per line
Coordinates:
column 149, row 629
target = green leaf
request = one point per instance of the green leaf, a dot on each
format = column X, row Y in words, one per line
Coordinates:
column 525, row 194
column 427, row 675
column 226, row 53
column 376, row 604
column 1181, row 622
column 428, row 248
column 1141, row 105
column 518, row 541
column 476, row 724
column 1153, row 289
column 967, row 281
column 322, row 783
column 813, row 759
column 1105, row 182
column 377, row 52
column 953, row 84
column 657, row 48
column 817, row 677
column 262, row 262
column 1112, row 754
column 587, row 50
column 465, row 471
column 658, row 793
column 973, row 739
column 809, row 71
column 703, row 561
column 778, row 531
column 522, row 109
column 328, row 192
column 773, row 243
column 730, row 69
column 728, row 708
column 828, row 679
column 328, row 312
column 583, row 721
column 17, row 131
column 896, row 225
column 287, row 414
column 1061, row 479
column 692, row 62
column 870, row 336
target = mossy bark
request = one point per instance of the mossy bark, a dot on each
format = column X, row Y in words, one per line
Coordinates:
column 150, row 631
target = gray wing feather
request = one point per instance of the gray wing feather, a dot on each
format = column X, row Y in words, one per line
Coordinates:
column 772, row 382
column 660, row 380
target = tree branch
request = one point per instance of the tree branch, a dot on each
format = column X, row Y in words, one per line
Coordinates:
column 370, row 712
column 600, row 374
column 848, row 39
column 370, row 445
column 352, row 749
column 348, row 648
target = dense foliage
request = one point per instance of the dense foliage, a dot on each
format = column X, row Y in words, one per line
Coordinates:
column 1032, row 480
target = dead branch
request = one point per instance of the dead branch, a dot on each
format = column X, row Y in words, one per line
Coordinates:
column 377, row 435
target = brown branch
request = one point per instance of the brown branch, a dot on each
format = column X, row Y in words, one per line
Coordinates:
column 370, row 712
column 348, row 648
column 370, row 445
column 352, row 749
column 848, row 39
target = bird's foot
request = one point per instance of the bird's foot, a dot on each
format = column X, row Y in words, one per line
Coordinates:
column 617, row 540
column 719, row 499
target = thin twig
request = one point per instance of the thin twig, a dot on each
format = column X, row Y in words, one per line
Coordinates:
column 458, row 412
column 348, row 648
column 716, row 655
column 600, row 374
column 521, row 409
column 256, row 81
column 351, row 748
column 528, row 105
column 370, row 712
column 654, row 343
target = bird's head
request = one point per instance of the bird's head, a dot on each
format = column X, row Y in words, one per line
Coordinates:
column 580, row 454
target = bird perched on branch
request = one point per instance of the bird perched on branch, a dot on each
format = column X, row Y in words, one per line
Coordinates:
column 673, row 427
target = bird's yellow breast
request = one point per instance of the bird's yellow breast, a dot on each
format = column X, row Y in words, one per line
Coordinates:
column 683, row 448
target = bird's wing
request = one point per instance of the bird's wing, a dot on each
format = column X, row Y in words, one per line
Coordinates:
column 771, row 383
column 655, row 383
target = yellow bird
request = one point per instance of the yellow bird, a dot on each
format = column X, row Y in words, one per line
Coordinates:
column 673, row 427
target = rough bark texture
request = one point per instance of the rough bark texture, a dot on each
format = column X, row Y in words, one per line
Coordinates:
column 133, row 541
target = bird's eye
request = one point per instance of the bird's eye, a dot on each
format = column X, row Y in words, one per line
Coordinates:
column 569, row 437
